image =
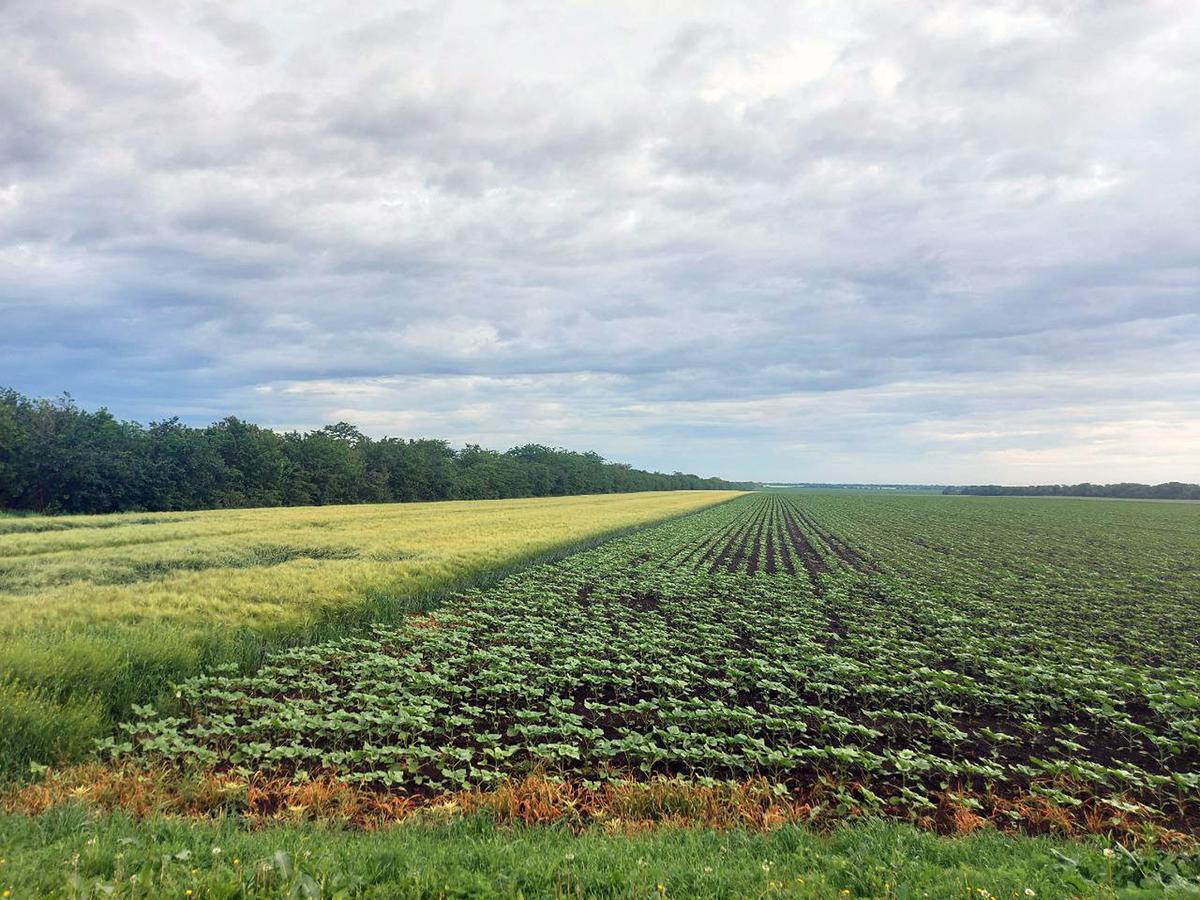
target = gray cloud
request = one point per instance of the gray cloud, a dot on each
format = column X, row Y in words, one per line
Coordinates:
column 247, row 39
column 949, row 241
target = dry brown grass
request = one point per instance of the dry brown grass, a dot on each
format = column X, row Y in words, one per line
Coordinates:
column 620, row 806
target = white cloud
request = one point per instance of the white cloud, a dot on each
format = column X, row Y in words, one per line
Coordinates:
column 928, row 241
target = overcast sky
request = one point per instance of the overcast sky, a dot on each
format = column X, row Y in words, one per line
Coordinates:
column 889, row 241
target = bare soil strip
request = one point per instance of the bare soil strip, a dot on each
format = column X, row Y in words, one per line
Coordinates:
column 706, row 548
column 745, row 544
column 771, row 566
column 813, row 562
column 785, row 555
column 843, row 551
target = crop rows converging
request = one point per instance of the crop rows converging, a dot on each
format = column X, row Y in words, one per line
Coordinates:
column 768, row 538
column 755, row 638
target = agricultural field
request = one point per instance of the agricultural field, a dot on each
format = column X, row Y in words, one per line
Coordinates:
column 1123, row 574
column 98, row 613
column 820, row 678
column 765, row 639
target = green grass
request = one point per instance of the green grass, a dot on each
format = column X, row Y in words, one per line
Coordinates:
column 68, row 852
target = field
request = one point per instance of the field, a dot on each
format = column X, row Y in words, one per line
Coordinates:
column 100, row 612
column 763, row 638
column 775, row 667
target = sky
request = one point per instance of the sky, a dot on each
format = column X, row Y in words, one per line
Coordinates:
column 945, row 242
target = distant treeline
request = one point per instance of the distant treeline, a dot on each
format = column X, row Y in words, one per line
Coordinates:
column 1171, row 490
column 58, row 458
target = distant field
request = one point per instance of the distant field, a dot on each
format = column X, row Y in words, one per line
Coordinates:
column 100, row 612
column 1125, row 574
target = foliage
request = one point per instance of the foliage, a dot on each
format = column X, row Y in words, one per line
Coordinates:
column 102, row 612
column 58, row 458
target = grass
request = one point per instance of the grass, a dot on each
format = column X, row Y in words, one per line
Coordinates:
column 73, row 852
column 98, row 613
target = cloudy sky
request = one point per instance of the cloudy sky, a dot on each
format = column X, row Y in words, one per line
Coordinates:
column 921, row 241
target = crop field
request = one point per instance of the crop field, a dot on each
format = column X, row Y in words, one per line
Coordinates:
column 950, row 661
column 100, row 612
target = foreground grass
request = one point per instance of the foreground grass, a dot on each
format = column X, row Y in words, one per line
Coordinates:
column 98, row 613
column 71, row 852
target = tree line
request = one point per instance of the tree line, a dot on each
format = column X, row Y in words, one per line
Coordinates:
column 1170, row 490
column 58, row 458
